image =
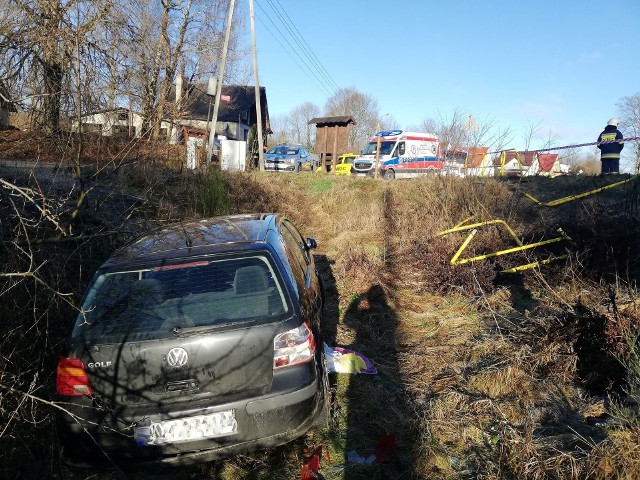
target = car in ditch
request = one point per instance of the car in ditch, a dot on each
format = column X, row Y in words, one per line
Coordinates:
column 195, row 342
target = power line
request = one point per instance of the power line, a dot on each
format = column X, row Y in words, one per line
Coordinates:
column 317, row 75
column 318, row 78
column 304, row 45
column 313, row 79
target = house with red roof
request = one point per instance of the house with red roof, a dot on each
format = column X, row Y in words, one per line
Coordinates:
column 478, row 163
column 513, row 163
column 543, row 164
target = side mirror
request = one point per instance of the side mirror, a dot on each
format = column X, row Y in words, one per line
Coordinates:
column 312, row 244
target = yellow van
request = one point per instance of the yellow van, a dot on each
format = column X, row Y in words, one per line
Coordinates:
column 345, row 162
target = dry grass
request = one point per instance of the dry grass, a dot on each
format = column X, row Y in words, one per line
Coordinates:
column 96, row 150
column 481, row 375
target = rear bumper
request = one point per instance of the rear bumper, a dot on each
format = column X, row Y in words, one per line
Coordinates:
column 263, row 422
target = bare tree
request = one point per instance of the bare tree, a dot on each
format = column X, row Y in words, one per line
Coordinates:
column 115, row 52
column 40, row 41
column 460, row 130
column 293, row 127
column 450, row 130
column 583, row 162
column 155, row 52
column 388, row 122
column 299, row 122
column 629, row 108
column 172, row 55
column 279, row 127
column 533, row 131
column 181, row 35
column 363, row 108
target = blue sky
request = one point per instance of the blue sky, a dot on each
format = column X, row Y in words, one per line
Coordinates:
column 561, row 65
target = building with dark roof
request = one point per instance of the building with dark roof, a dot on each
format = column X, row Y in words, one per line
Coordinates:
column 237, row 111
column 189, row 111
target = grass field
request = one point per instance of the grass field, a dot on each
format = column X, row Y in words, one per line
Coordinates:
column 481, row 374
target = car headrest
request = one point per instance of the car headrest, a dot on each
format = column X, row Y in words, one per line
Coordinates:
column 145, row 292
column 250, row 279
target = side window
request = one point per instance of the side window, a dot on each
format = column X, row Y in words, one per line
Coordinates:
column 296, row 253
column 297, row 237
column 400, row 149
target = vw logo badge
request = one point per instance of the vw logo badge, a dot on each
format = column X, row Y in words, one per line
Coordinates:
column 177, row 357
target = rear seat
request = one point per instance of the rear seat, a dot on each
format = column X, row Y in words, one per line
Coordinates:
column 250, row 297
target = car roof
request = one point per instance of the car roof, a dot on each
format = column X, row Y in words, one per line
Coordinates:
column 296, row 145
column 200, row 237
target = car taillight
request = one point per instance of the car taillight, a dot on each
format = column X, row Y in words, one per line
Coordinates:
column 72, row 378
column 293, row 347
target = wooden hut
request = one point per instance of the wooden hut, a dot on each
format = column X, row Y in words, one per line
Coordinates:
column 332, row 137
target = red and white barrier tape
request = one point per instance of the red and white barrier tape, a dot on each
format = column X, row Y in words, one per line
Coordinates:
column 566, row 147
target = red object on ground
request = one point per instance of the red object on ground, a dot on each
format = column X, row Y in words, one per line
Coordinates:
column 385, row 446
column 309, row 470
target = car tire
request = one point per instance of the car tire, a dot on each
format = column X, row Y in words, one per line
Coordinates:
column 389, row 174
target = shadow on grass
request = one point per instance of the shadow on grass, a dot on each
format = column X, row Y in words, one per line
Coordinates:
column 330, row 313
column 522, row 299
column 377, row 412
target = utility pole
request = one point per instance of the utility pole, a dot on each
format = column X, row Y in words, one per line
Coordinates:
column 375, row 173
column 257, row 87
column 378, row 140
column 212, row 88
column 216, row 105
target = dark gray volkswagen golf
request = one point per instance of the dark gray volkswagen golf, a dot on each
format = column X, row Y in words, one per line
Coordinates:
column 195, row 342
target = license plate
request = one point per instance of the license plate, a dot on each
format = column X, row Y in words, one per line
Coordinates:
column 219, row 424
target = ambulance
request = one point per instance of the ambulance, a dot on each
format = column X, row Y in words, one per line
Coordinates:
column 402, row 155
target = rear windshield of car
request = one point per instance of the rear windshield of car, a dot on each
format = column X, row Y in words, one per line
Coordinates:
column 155, row 300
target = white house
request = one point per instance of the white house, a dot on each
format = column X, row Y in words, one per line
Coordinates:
column 115, row 122
column 478, row 163
column 513, row 163
column 6, row 107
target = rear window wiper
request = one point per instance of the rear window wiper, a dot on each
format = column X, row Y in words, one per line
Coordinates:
column 203, row 329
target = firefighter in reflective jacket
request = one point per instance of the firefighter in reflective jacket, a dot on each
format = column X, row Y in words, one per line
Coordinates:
column 610, row 151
